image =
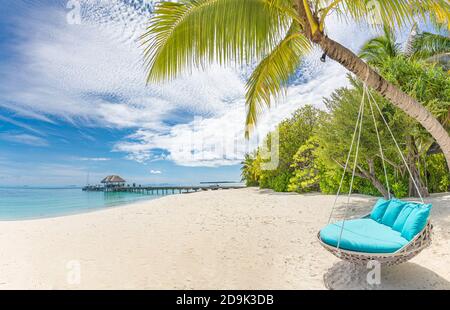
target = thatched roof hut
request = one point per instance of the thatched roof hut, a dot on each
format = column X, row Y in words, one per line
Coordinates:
column 113, row 179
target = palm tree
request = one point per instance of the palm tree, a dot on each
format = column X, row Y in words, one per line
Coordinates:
column 248, row 172
column 433, row 48
column 425, row 46
column 430, row 47
column 376, row 50
column 276, row 34
column 246, row 168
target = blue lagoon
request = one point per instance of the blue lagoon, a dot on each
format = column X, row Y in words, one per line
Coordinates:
column 21, row 203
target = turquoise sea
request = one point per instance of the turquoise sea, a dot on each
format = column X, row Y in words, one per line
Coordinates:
column 30, row 203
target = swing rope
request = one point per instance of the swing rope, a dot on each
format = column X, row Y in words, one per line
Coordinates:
column 398, row 147
column 379, row 144
column 358, row 129
column 347, row 160
column 353, row 171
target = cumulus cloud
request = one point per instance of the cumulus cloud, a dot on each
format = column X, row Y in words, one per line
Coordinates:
column 155, row 172
column 219, row 140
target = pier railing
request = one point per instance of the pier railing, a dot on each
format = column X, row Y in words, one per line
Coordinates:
column 163, row 190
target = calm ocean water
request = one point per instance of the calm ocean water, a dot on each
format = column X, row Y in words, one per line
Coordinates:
column 30, row 203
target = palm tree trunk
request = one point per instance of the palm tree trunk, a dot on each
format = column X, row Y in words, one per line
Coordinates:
column 409, row 105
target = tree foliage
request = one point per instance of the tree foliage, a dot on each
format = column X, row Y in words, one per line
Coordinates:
column 292, row 134
column 307, row 168
column 314, row 145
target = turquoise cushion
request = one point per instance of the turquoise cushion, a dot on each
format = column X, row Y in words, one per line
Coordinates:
column 363, row 235
column 403, row 216
column 416, row 221
column 379, row 209
column 392, row 211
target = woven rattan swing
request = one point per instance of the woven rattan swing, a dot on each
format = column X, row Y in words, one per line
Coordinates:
column 415, row 245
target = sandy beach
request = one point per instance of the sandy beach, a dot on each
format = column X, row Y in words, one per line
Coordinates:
column 229, row 239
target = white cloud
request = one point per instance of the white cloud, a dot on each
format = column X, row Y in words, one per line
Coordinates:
column 92, row 74
column 219, row 140
column 21, row 125
column 94, row 159
column 41, row 174
column 24, row 139
column 155, row 172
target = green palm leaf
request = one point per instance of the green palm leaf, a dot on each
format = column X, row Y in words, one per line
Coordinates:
column 392, row 13
column 427, row 44
column 379, row 48
column 188, row 34
column 271, row 75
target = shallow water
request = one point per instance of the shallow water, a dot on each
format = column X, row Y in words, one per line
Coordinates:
column 30, row 203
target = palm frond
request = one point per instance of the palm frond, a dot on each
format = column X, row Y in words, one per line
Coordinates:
column 271, row 75
column 379, row 48
column 427, row 45
column 193, row 33
column 323, row 8
column 393, row 13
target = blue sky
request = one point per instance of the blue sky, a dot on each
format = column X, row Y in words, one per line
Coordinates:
column 73, row 100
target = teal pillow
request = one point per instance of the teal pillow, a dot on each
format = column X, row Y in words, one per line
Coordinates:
column 403, row 216
column 393, row 210
column 379, row 209
column 416, row 221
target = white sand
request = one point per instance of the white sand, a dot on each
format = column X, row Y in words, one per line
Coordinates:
column 234, row 239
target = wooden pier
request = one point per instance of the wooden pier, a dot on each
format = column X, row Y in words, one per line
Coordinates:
column 158, row 190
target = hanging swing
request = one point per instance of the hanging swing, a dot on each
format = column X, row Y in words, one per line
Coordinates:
column 395, row 231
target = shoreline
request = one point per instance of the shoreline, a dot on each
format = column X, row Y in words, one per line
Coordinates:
column 88, row 211
column 117, row 204
column 145, row 201
column 234, row 239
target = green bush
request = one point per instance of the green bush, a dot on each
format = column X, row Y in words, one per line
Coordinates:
column 307, row 168
column 280, row 182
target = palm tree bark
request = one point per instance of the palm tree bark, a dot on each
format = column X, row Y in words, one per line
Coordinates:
column 409, row 105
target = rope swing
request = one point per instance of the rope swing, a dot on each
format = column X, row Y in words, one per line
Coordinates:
column 417, row 244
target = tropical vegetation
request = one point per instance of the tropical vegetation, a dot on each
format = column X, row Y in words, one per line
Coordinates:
column 319, row 161
column 410, row 85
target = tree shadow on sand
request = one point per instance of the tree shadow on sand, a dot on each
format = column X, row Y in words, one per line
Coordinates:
column 344, row 276
column 267, row 191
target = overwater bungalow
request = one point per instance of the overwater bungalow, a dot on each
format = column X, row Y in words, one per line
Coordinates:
column 113, row 181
